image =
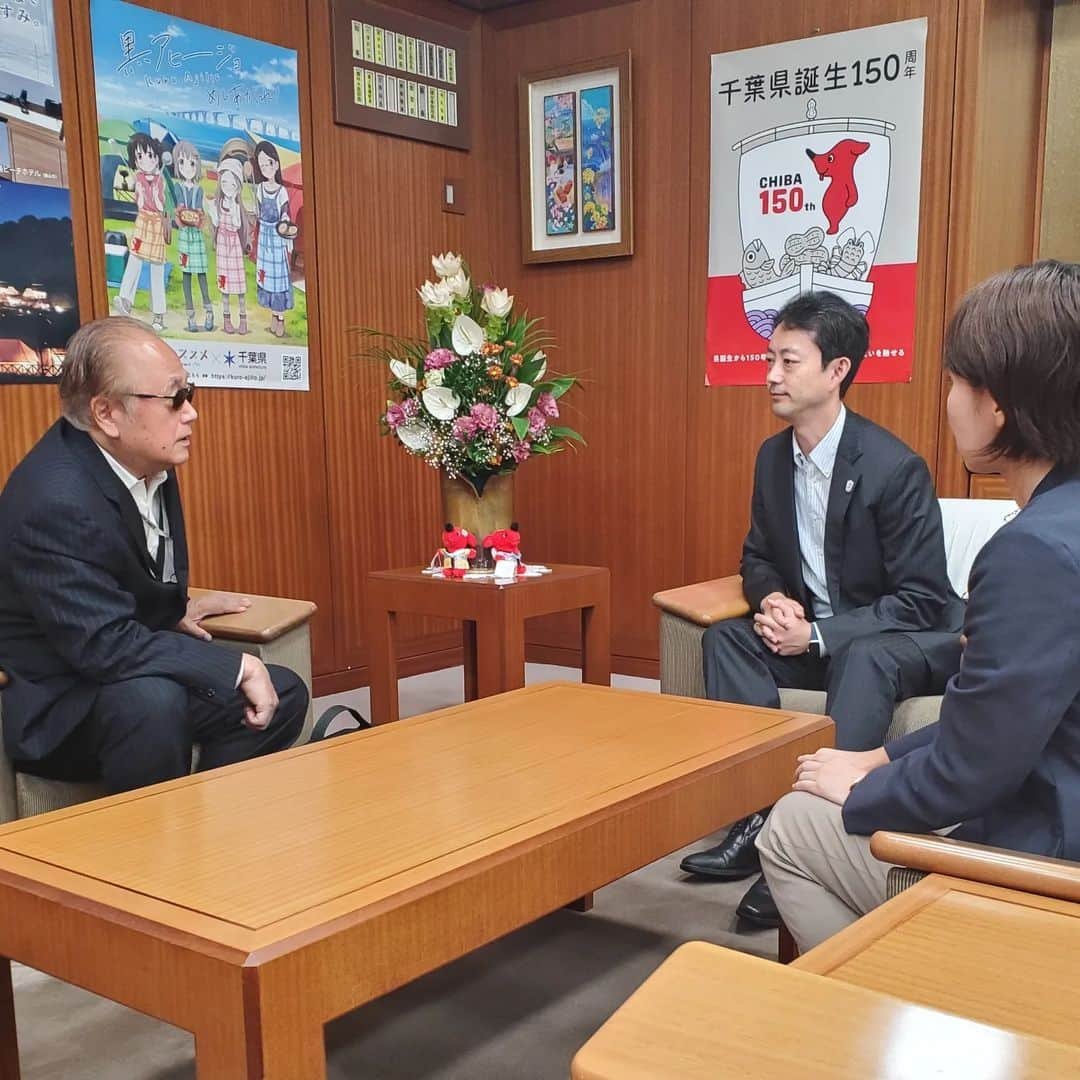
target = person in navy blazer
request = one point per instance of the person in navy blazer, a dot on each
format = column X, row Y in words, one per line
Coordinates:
column 843, row 566
column 111, row 676
column 1002, row 764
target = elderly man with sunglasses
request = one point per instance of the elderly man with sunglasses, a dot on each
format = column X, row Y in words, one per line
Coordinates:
column 111, row 676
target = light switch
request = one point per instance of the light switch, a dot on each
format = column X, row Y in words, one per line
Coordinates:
column 453, row 201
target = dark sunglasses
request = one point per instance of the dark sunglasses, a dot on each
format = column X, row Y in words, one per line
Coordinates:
column 185, row 393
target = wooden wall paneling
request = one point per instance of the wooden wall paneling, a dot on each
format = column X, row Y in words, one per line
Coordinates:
column 725, row 425
column 620, row 325
column 26, row 410
column 1000, row 108
column 383, row 198
column 1060, row 230
column 255, row 489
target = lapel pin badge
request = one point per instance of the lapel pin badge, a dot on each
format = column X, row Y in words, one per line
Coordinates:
column 848, row 486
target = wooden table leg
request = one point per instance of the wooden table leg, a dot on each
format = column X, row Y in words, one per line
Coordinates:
column 582, row 903
column 468, row 651
column 9, row 1038
column 596, row 644
column 500, row 655
column 382, row 664
column 245, row 1039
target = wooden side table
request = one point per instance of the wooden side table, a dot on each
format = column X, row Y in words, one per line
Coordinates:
column 494, row 625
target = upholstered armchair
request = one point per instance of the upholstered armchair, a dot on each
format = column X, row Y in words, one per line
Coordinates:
column 915, row 856
column 274, row 629
column 686, row 612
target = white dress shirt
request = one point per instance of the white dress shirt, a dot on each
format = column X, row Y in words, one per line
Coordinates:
column 813, row 477
column 150, row 503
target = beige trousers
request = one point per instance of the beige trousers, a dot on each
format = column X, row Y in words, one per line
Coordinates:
column 821, row 877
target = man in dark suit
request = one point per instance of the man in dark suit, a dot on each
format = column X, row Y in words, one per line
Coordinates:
column 1003, row 759
column 844, row 565
column 111, row 675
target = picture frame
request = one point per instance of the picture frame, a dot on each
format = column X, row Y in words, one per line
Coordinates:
column 575, row 138
column 401, row 74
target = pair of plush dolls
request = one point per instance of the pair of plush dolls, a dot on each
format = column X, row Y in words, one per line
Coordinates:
column 460, row 547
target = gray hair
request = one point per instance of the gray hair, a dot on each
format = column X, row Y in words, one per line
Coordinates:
column 90, row 365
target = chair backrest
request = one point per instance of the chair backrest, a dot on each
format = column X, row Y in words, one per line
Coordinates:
column 968, row 524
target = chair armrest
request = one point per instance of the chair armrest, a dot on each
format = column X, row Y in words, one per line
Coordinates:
column 706, row 602
column 266, row 620
column 1037, row 874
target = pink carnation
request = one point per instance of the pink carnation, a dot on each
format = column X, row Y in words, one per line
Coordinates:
column 395, row 415
column 439, row 358
column 410, row 407
column 464, row 428
column 537, row 422
column 520, row 451
column 486, row 416
column 547, row 404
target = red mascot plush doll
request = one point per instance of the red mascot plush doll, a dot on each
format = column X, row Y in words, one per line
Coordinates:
column 457, row 552
column 505, row 545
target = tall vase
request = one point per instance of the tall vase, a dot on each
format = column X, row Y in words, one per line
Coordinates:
column 480, row 514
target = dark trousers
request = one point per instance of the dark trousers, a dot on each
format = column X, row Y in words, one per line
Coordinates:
column 142, row 731
column 863, row 682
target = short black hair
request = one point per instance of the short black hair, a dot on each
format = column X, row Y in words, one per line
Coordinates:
column 837, row 327
column 141, row 141
column 1017, row 335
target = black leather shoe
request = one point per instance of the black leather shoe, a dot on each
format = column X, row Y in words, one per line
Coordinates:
column 733, row 859
column 758, row 907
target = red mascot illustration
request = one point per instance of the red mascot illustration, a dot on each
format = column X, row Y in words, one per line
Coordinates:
column 505, row 545
column 458, row 550
column 838, row 164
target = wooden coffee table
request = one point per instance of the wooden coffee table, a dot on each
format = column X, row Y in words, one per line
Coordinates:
column 493, row 625
column 252, row 904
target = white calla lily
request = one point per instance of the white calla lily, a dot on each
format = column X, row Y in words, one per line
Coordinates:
column 404, row 373
column 541, row 357
column 434, row 377
column 415, row 435
column 435, row 294
column 447, row 264
column 458, row 284
column 497, row 302
column 517, row 398
column 441, row 402
column 467, row 336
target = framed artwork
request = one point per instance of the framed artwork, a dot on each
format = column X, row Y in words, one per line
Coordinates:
column 401, row 73
column 575, row 138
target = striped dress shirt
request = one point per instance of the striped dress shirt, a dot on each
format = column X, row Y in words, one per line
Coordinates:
column 813, row 475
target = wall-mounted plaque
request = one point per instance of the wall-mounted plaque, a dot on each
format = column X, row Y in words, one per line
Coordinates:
column 400, row 73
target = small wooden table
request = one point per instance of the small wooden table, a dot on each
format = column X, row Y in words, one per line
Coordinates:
column 252, row 904
column 997, row 955
column 709, row 1013
column 493, row 618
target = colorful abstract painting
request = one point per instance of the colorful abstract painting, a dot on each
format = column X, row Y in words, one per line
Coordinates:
column 597, row 160
column 560, row 163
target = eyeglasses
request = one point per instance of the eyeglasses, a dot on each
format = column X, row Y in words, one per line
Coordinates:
column 185, row 393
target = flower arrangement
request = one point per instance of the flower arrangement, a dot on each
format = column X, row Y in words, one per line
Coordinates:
column 476, row 399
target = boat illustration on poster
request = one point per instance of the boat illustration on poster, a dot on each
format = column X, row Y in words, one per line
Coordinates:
column 812, row 198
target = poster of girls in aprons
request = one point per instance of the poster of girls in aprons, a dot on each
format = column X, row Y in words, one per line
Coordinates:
column 203, row 193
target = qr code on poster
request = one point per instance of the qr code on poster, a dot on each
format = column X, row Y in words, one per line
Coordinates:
column 292, row 369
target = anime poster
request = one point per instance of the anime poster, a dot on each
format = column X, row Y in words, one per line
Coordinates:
column 202, row 183
column 816, row 162
column 38, row 299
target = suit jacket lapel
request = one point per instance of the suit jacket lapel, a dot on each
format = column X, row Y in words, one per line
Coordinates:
column 787, row 531
column 175, row 512
column 845, row 479
column 111, row 487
